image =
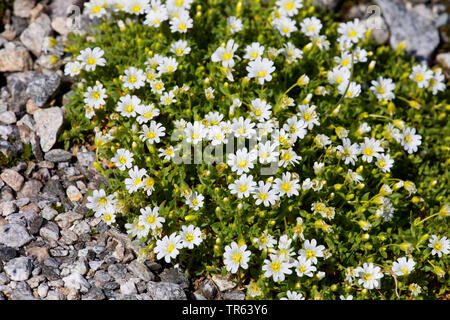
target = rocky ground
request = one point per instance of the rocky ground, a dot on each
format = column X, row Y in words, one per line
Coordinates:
column 50, row 247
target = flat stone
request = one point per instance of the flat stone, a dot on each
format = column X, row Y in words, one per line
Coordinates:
column 94, row 293
column 74, row 194
column 8, row 117
column 42, row 87
column 33, row 36
column 128, row 287
column 76, row 281
column 175, row 275
column 140, row 270
column 165, row 291
column 223, row 284
column 19, row 269
column 22, row 8
column 41, row 253
column 86, row 159
column 12, row 178
column 42, row 290
column 14, row 235
column 65, row 220
column 34, row 221
column 49, row 213
column 7, row 253
column 62, row 25
column 117, row 271
column 58, row 155
column 48, row 123
column 15, row 59
column 233, row 295
column 30, row 189
column 444, row 60
column 50, row 231
column 62, row 8
column 420, row 34
column 7, row 208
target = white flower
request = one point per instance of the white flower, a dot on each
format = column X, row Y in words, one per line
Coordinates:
column 265, row 241
column 156, row 16
column 168, row 247
column 180, row 48
column 95, row 8
column 352, row 31
column 287, row 185
column 150, row 218
column 292, row 295
column 243, row 186
column 260, row 69
column 253, row 51
column 421, row 75
column 236, row 256
column 339, row 75
column 195, row 201
column 109, row 218
column 261, row 110
column 437, row 82
column 382, row 88
column 348, row 151
column 182, row 4
column 386, row 210
column 289, row 7
column 439, row 246
column 95, row 96
column 384, row 162
column 267, row 152
column 311, row 26
column 152, row 133
column 195, row 132
column 291, row 53
column 277, row 267
column 181, row 23
column 345, row 60
column 369, row 275
column 134, row 78
column 243, row 128
column 137, row 6
column 352, row 176
column 167, row 153
column 285, row 26
column 190, row 236
column 242, row 161
column 296, row 128
column 370, row 148
column 351, row 91
column 311, row 251
column 136, row 229
column 167, row 98
column 364, row 128
column 225, row 54
column 322, row 140
column 234, row 24
column 265, row 194
column 287, row 157
column 91, row 58
column 123, row 159
column 304, row 267
column 72, row 68
column 167, row 65
column 146, row 112
column 349, row 297
column 309, row 115
column 127, row 105
column 403, row 267
column 135, row 180
column 410, row 140
column 217, row 136
column 100, row 203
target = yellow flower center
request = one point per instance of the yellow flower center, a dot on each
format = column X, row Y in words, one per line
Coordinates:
column 102, row 201
column 289, row 5
column 310, row 254
column 151, row 135
column 368, row 151
column 311, row 28
column 150, row 76
column 158, row 86
column 182, row 26
column 257, row 112
column 241, row 130
column 407, row 139
column 151, row 219
column 226, row 56
column 148, row 115
column 381, row 90
column 381, row 163
column 419, row 77
column 137, row 181
column 237, row 257
column 242, row 188
column 149, row 182
column 286, row 187
column 96, row 9
column 170, row 68
column 96, row 95
column 179, row 3
column 302, row 268
column 179, row 51
column 91, row 60
column 275, row 266
column 170, row 248
column 195, row 202
column 286, row 156
column 262, row 73
column 195, row 135
column 242, row 163
column 254, row 55
column 352, row 33
column 129, row 108
column 108, row 217
column 345, row 62
column 189, row 237
column 262, row 195
column 339, row 79
column 122, row 159
column 367, row 276
column 132, row 79
column 404, row 270
column 437, row 246
column 136, row 8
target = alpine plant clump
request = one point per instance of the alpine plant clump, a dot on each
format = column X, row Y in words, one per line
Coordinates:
column 268, row 141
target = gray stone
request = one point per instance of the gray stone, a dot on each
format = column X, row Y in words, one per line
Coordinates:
column 86, row 158
column 26, row 127
column 42, row 290
column 329, row 4
column 140, row 270
column 42, row 87
column 74, row 194
column 165, row 291
column 208, row 289
column 62, row 25
column 81, row 228
column 65, row 220
column 175, row 275
column 50, row 231
column 19, row 269
column 15, row 59
column 12, row 178
column 48, row 123
column 22, row 8
column 55, row 295
column 117, row 271
column 94, row 293
column 49, row 213
column 233, row 295
column 102, row 276
column 30, row 189
column 421, row 35
column 17, row 84
column 76, row 281
column 62, row 8
column 33, row 36
column 58, row 155
column 128, row 287
column 34, row 221
column 8, row 117
column 41, row 253
column 7, row 208
column 14, row 235
column 7, row 253
column 444, row 60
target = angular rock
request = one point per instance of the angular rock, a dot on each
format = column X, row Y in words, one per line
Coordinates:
column 94, row 293
column 34, row 221
column 73, row 194
column 19, row 269
column 7, row 208
column 50, row 231
column 30, row 189
column 33, row 36
column 175, row 275
column 444, row 60
column 41, row 253
column 65, row 220
column 15, row 59
column 62, row 8
column 49, row 213
column 62, row 25
column 48, row 123
column 58, row 155
column 233, row 295
column 12, row 178
column 42, row 87
column 86, row 159
column 76, row 281
column 7, row 253
column 22, row 8
column 42, row 290
column 117, row 271
column 165, row 291
column 14, row 235
column 421, row 35
column 140, row 270
column 128, row 287
column 8, row 117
